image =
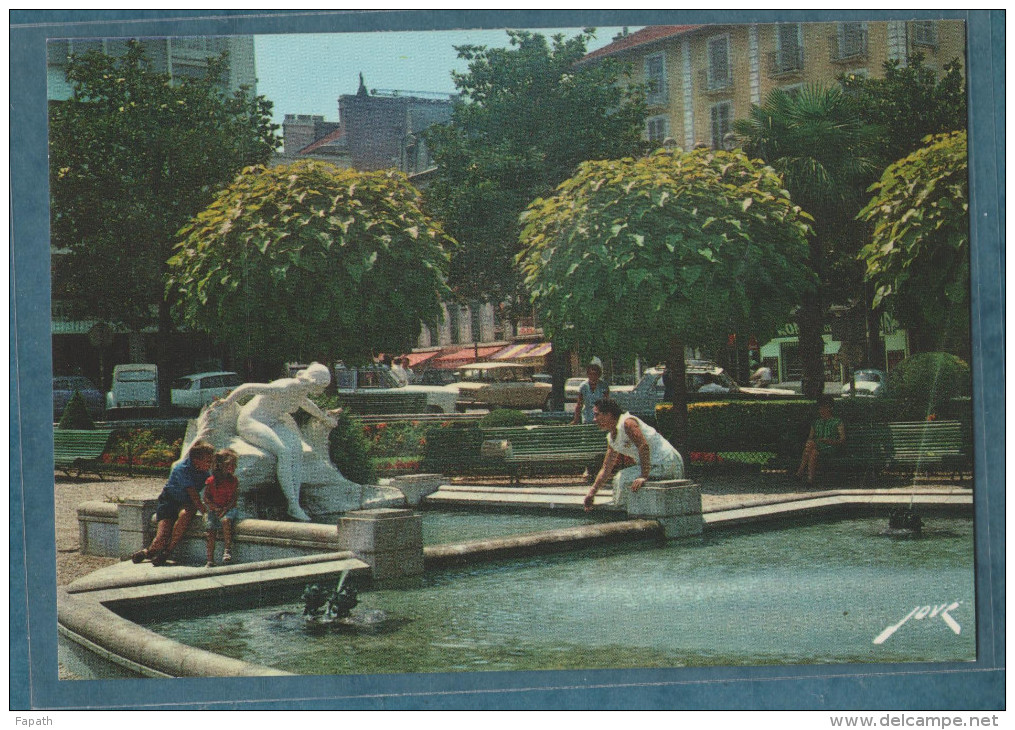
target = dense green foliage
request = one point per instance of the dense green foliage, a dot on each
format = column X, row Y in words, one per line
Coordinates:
column 309, row 261
column 527, row 116
column 133, row 155
column 817, row 141
column 630, row 253
column 75, row 414
column 927, row 383
column 349, row 450
column 918, row 256
column 909, row 103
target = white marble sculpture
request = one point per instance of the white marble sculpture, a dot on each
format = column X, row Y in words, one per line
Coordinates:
column 256, row 421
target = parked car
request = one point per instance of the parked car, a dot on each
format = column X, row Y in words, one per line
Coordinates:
column 135, row 385
column 500, row 385
column 869, row 382
column 379, row 380
column 703, row 376
column 198, row 390
column 571, row 386
column 63, row 390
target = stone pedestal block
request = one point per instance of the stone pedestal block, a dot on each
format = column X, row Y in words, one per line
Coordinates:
column 676, row 503
column 416, row 487
column 134, row 517
column 390, row 541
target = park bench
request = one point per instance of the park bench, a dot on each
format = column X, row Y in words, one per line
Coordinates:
column 79, row 449
column 926, row 446
column 383, row 403
column 543, row 448
column 917, row 446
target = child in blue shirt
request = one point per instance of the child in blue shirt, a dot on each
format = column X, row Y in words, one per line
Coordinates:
column 179, row 501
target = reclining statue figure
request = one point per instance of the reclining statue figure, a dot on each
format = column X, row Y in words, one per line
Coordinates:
column 256, row 421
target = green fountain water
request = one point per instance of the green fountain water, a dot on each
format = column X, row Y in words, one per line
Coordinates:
column 813, row 594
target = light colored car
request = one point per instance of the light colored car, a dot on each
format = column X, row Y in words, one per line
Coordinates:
column 135, row 385
column 571, row 386
column 379, row 380
column 500, row 385
column 869, row 382
column 64, row 387
column 703, row 377
column 198, row 390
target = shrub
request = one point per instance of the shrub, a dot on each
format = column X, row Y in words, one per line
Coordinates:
column 349, row 450
column 504, row 417
column 448, row 448
column 926, row 384
column 143, row 447
column 75, row 414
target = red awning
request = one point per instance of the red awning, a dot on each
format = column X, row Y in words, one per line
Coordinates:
column 415, row 358
column 458, row 356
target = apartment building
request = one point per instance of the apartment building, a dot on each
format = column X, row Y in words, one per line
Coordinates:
column 180, row 57
column 703, row 77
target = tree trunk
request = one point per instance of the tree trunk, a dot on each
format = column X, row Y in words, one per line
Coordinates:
column 558, row 373
column 162, row 355
column 812, row 346
column 675, row 384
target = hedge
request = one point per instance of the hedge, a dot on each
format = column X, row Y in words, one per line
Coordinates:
column 739, row 425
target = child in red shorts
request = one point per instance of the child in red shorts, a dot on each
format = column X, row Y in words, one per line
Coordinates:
column 220, row 504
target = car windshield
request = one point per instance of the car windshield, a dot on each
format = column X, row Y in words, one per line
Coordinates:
column 136, row 376
column 867, row 378
column 181, row 384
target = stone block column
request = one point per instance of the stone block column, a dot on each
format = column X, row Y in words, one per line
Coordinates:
column 135, row 522
column 675, row 503
column 390, row 541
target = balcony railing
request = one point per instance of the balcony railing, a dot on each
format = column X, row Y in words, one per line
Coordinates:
column 713, row 82
column 785, row 61
column 848, row 46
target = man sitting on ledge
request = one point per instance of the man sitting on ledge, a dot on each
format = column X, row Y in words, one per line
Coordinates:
column 629, row 436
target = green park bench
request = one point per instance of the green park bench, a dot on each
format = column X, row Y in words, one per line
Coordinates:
column 543, row 448
column 930, row 446
column 79, row 449
column 917, row 446
column 512, row 450
column 383, row 403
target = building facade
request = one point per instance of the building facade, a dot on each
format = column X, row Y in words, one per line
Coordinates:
column 703, row 77
column 179, row 57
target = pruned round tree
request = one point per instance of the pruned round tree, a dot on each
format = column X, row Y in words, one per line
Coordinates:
column 307, row 260
column 644, row 256
column 918, row 256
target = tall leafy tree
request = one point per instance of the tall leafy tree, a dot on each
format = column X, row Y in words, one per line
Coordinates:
column 133, row 155
column 675, row 249
column 918, row 256
column 527, row 116
column 817, row 141
column 909, row 103
column 309, row 260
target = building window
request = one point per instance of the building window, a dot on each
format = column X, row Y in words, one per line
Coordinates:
column 789, row 50
column 657, row 129
column 722, row 122
column 655, row 78
column 719, row 71
column 924, row 33
column 850, row 42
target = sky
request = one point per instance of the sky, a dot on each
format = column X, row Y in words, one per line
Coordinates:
column 306, row 73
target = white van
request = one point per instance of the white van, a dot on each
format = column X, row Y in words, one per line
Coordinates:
column 135, row 385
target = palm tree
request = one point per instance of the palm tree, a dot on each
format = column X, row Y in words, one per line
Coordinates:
column 815, row 139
